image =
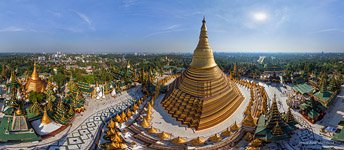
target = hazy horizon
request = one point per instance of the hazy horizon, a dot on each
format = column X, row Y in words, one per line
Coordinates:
column 239, row 26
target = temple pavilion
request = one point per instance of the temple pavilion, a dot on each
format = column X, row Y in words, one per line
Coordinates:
column 273, row 126
column 203, row 96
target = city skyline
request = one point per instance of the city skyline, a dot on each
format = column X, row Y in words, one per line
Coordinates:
column 136, row 26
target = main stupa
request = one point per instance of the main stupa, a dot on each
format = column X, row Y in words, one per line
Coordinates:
column 203, row 96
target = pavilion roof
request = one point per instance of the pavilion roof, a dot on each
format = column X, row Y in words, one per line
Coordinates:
column 303, row 88
column 339, row 136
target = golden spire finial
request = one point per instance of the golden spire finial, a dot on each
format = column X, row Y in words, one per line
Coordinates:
column 18, row 111
column 34, row 75
column 45, row 118
column 203, row 55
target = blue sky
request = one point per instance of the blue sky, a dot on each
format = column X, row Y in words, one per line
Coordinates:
column 171, row 25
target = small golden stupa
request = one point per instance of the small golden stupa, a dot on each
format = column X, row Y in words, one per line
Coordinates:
column 19, row 111
column 234, row 127
column 35, row 83
column 45, row 118
column 203, row 91
column 135, row 107
column 215, row 138
column 111, row 124
column 145, row 123
column 198, row 141
column 164, row 136
column 248, row 121
column 152, row 130
column 226, row 133
column 118, row 118
column 178, row 140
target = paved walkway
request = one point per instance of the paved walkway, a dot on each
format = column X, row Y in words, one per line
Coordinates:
column 85, row 126
column 164, row 122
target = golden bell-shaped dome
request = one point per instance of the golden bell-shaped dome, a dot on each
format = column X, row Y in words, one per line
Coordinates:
column 112, row 145
column 129, row 113
column 116, row 138
column 111, row 124
column 19, row 111
column 35, row 83
column 226, row 133
column 203, row 55
column 198, row 141
column 135, row 107
column 149, row 106
column 148, row 117
column 178, row 140
column 248, row 136
column 256, row 143
column 45, row 118
column 215, row 138
column 118, row 118
column 149, row 112
column 145, row 123
column 203, row 91
column 110, row 132
column 152, row 130
column 123, row 116
column 248, row 121
column 164, row 136
column 234, row 127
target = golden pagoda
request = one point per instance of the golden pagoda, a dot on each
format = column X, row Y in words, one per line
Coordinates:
column 35, row 83
column 111, row 124
column 152, row 130
column 178, row 140
column 254, row 145
column 234, row 127
column 19, row 111
column 215, row 138
column 164, row 136
column 248, row 121
column 148, row 117
column 145, row 123
column 123, row 116
column 110, row 132
column 129, row 113
column 112, row 145
column 45, row 118
column 118, row 118
column 226, row 133
column 116, row 138
column 197, row 141
column 135, row 107
column 203, row 92
column 248, row 136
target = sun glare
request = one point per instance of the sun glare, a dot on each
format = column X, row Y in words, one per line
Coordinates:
column 260, row 16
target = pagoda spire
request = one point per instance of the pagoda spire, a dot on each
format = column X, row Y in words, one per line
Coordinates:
column 34, row 75
column 203, row 55
column 45, row 118
column 277, row 130
column 273, row 114
column 289, row 118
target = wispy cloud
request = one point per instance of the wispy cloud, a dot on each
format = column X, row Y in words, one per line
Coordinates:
column 11, row 29
column 168, row 29
column 16, row 29
column 55, row 13
column 329, row 30
column 86, row 19
column 128, row 3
